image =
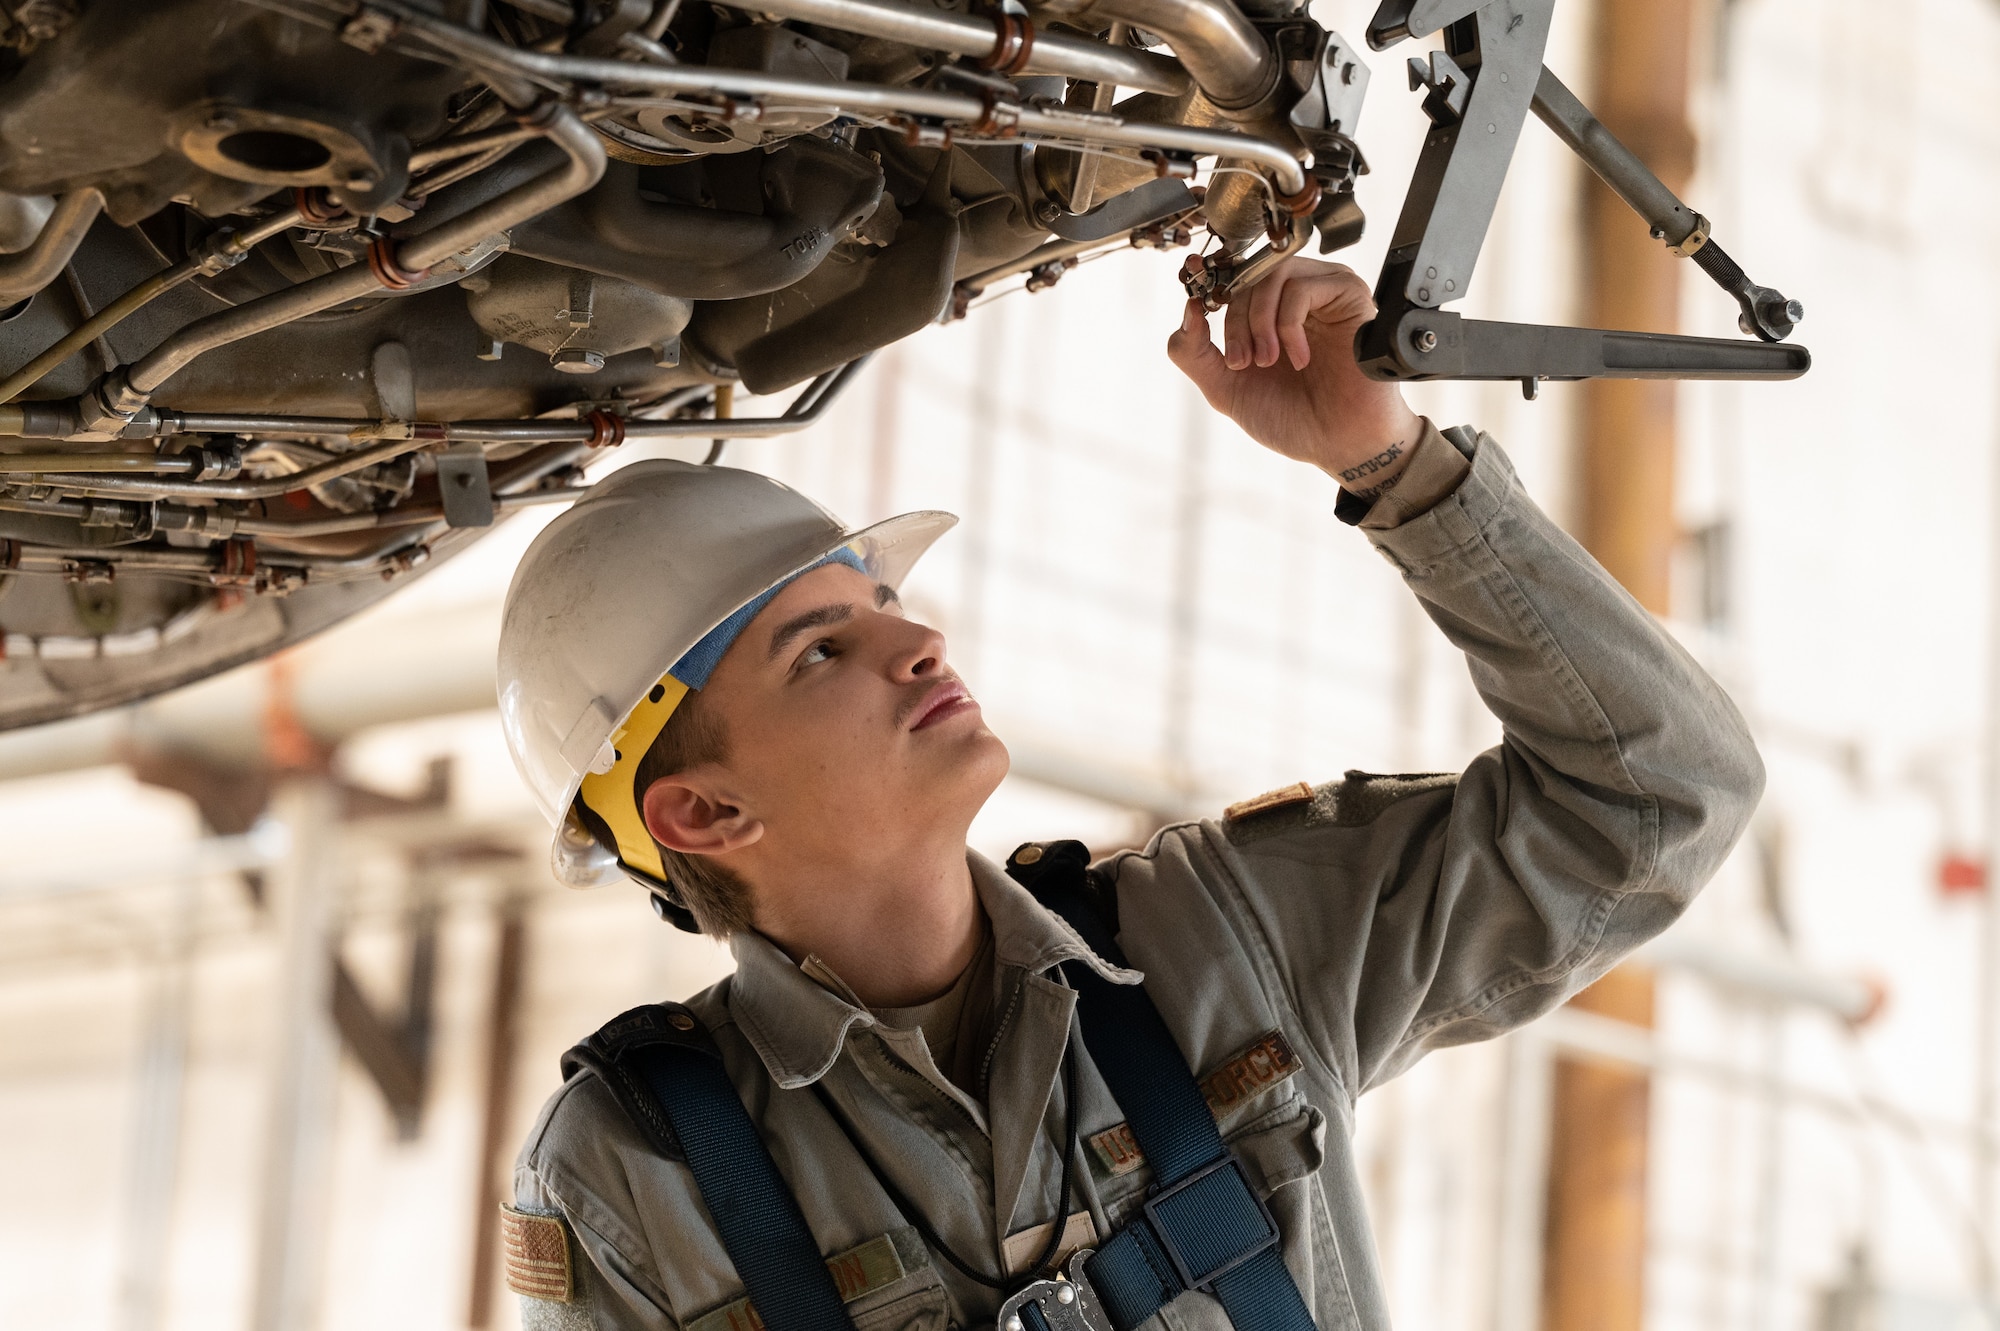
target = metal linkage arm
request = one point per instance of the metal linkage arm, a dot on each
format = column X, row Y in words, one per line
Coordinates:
column 1479, row 90
column 1438, row 344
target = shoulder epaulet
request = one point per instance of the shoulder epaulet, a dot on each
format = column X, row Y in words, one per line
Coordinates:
column 604, row 1050
column 1356, row 800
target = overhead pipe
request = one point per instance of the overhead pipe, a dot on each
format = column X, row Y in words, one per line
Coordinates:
column 1229, row 60
column 984, row 39
column 24, row 274
column 1025, row 123
column 582, row 166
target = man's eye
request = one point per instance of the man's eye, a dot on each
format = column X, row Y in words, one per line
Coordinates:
column 823, row 650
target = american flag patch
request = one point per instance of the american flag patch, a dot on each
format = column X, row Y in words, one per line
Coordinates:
column 1254, row 1070
column 536, row 1250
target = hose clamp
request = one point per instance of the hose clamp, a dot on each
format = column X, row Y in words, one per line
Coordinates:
column 388, row 271
column 606, row 430
column 1013, row 43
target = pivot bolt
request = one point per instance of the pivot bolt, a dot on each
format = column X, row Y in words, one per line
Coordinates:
column 1425, row 340
column 1065, row 1295
column 577, row 360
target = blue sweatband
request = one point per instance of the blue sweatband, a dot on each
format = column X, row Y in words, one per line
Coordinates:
column 701, row 660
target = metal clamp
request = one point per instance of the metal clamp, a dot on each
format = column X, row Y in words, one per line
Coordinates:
column 1066, row 1303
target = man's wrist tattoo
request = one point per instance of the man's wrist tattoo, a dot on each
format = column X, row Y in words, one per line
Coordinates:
column 1369, row 468
column 1374, row 464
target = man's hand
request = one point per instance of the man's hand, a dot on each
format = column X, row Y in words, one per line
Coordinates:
column 1318, row 408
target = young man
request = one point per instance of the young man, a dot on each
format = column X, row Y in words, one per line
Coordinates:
column 715, row 691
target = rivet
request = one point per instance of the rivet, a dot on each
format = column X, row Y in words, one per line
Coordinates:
column 1423, row 293
column 1027, row 854
column 681, row 1021
column 1065, row 1295
column 1490, row 129
column 1430, row 272
column 1013, row 1324
column 1450, row 285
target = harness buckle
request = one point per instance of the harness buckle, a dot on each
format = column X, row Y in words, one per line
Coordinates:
column 1199, row 1206
column 1066, row 1303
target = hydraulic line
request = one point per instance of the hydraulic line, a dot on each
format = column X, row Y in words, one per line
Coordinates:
column 396, row 438
column 159, row 284
column 23, row 275
column 582, row 167
column 1023, row 123
column 1229, row 59
column 964, row 34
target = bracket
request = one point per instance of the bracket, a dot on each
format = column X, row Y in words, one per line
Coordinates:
column 1479, row 91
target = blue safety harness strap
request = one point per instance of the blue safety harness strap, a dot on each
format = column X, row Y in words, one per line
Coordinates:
column 669, row 1055
column 1203, row 1226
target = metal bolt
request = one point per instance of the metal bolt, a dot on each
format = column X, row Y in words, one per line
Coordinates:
column 577, row 360
column 1794, row 311
column 1425, row 340
column 680, row 1021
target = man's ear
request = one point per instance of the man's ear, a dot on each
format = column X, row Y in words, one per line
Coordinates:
column 691, row 814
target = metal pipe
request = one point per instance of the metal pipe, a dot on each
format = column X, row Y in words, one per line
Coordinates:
column 963, row 34
column 409, row 515
column 810, row 404
column 35, row 464
column 1229, row 59
column 268, row 487
column 1052, row 252
column 144, row 293
column 1062, row 124
column 24, row 274
column 582, row 167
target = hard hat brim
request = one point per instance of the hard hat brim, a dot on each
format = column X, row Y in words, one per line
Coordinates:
column 889, row 548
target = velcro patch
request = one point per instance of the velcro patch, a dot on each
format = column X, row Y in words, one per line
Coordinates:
column 1251, row 1072
column 536, row 1249
column 1284, row 797
column 855, row 1272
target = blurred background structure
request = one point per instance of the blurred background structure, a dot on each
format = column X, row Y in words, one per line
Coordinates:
column 283, row 978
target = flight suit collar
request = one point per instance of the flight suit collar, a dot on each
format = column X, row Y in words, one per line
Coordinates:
column 798, row 1025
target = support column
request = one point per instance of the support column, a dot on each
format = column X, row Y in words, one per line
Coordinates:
column 503, row 1021
column 1626, row 454
column 1595, row 1254
column 297, row 1149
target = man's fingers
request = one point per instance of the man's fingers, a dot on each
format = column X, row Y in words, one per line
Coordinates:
column 1264, row 302
column 1236, row 346
column 1190, row 349
column 1294, row 303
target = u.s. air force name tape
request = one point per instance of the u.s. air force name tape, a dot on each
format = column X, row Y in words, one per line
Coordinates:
column 1256, row 1069
column 860, row 1270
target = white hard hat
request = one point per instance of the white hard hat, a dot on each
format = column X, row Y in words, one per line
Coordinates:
column 599, row 636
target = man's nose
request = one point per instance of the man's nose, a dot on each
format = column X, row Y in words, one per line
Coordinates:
column 916, row 650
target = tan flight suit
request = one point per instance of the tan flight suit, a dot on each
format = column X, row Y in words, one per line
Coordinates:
column 1300, row 953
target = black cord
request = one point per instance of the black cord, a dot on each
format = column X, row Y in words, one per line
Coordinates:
column 930, row 1236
